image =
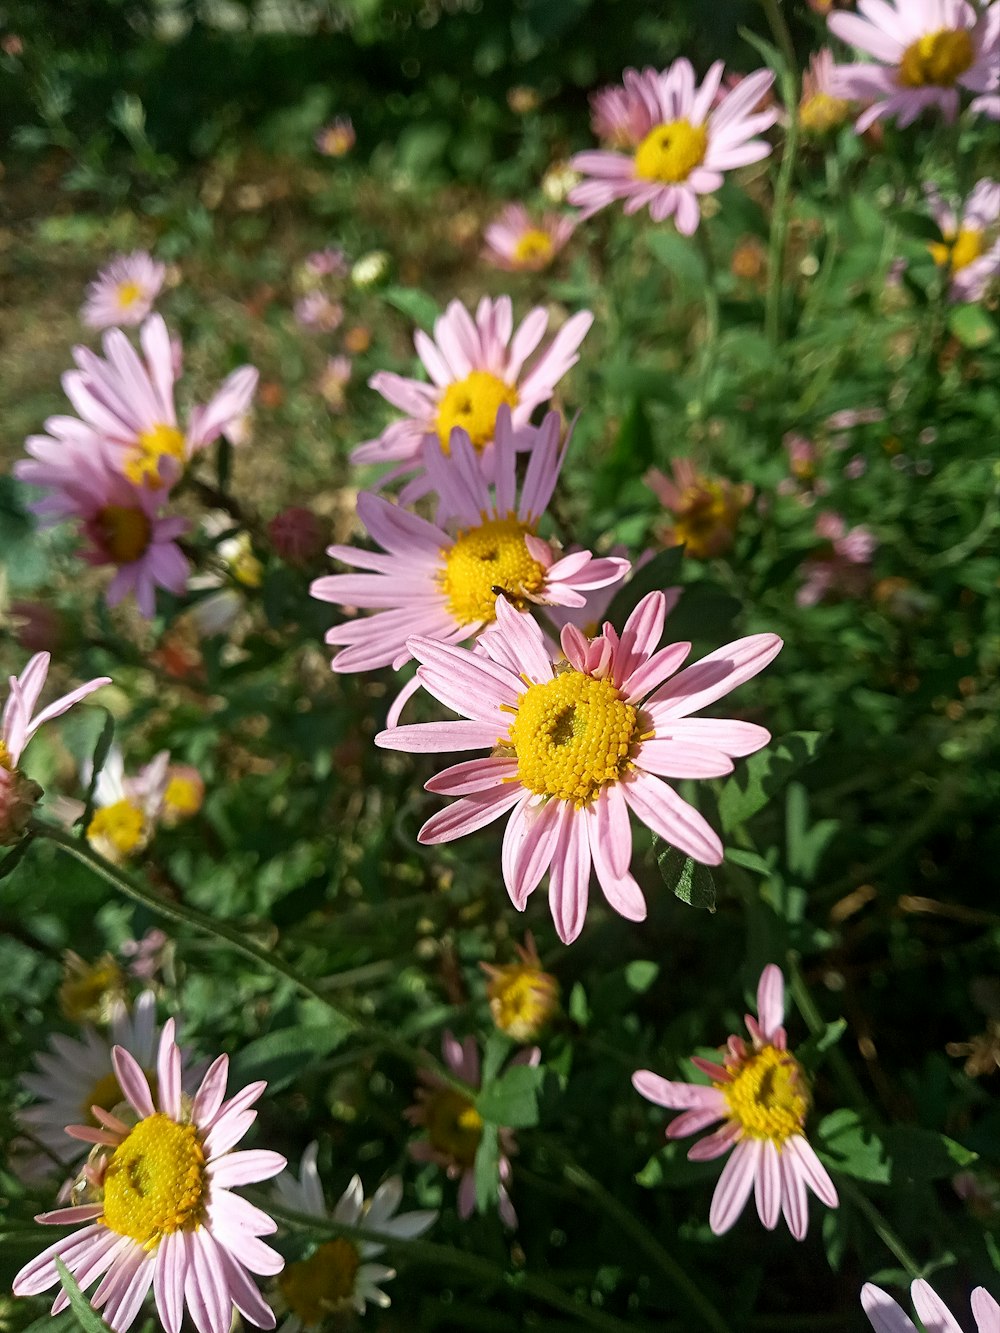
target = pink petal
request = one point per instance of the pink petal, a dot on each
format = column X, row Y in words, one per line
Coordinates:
column 569, row 873
column 771, row 1000
column 677, row 759
column 473, row 776
column 883, row 1313
column 714, row 1145
column 468, row 814
column 652, row 672
column 168, row 1280
column 733, row 738
column 132, row 1082
column 211, row 1093
column 529, row 844
column 932, row 1309
column 244, row 1294
column 767, row 1186
column 439, row 737
column 692, row 1122
column 168, row 1072
column 677, row 1096
column 245, row 1168
column 986, row 1311
column 526, row 642
column 715, row 675
column 662, row 810
column 811, row 1170
column 205, row 1292
column 641, row 636
column 735, row 1184
column 794, row 1202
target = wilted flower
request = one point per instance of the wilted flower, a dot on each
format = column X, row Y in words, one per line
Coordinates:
column 339, row 1275
column 523, row 998
column 517, row 242
column 981, row 1052
column 455, row 1128
column 336, row 139
column 886, row 1316
column 183, row 794
column 705, row 509
column 90, row 991
column 761, row 1094
column 124, row 291
column 297, row 535
column 820, row 110
column 842, row 566
column 966, row 251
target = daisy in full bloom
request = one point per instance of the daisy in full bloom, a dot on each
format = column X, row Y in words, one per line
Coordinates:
column 475, row 367
column 124, row 291
column 885, row 1316
column 161, row 1212
column 820, row 109
column 683, row 146
column 706, row 510
column 761, row 1094
column 336, row 139
column 455, row 1128
column 126, row 405
column 338, row 1276
column 446, row 587
column 18, row 794
column 924, row 52
column 966, row 250
column 515, row 241
column 575, row 745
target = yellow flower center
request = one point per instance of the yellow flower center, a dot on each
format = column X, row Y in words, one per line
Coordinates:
column 473, row 404
column 120, row 827
column 88, row 989
column 182, row 797
column 937, row 58
column 5, row 759
column 485, row 562
column 125, row 532
column 128, row 293
column 142, row 467
column 322, row 1284
column 821, row 113
column 534, row 249
column 155, row 1183
column 706, row 518
column 671, row 151
column 768, row 1096
column 454, row 1126
column 572, row 736
column 244, row 565
column 522, row 1000
column 955, row 252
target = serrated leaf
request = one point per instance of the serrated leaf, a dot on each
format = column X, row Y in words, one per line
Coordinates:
column 280, row 1056
column 659, row 573
column 763, row 775
column 486, row 1169
column 512, row 1100
column 851, row 1147
column 414, row 304
column 86, row 1316
column 686, row 879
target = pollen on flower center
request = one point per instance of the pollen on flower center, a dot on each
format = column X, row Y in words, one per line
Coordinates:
column 956, row 252
column 123, row 531
column 671, row 151
column 155, row 1183
column 473, row 404
column 768, row 1095
column 143, row 465
column 323, row 1284
column 454, row 1126
column 128, row 293
column 120, row 826
column 937, row 58
column 534, row 247
column 572, row 736
column 485, row 562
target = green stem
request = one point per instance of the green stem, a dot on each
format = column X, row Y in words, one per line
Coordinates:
column 438, row 1256
column 269, row 960
column 880, row 1226
column 711, row 336
column 789, row 83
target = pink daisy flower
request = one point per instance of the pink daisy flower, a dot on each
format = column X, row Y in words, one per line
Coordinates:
column 315, row 311
column 455, row 1128
column 475, row 368
column 617, row 118
column 19, row 722
column 684, row 147
column 820, row 109
column 516, row 242
column 163, row 1213
column 706, row 510
column 446, row 587
column 842, row 566
column 966, row 251
column 885, row 1316
column 761, row 1094
column 126, row 402
column 925, row 51
column 336, row 139
column 574, row 746
column 124, row 291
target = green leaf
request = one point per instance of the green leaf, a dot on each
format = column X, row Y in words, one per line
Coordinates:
column 682, row 257
column 632, row 452
column 663, row 570
column 414, row 304
column 923, row 1154
column 512, row 1101
column 281, row 1056
column 687, row 879
column 751, row 861
column 486, row 1170
column 972, row 326
column 101, row 752
column 10, row 861
column 640, row 975
column 811, row 1052
column 764, row 774
column 851, row 1147
column 578, row 1010
column 498, row 1047
column 87, row 1317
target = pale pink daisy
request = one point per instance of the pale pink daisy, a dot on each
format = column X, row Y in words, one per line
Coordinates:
column 318, row 313
column 924, row 52
column 126, row 408
column 575, row 745
column 706, row 510
column 967, row 251
column 455, row 1128
column 475, row 368
column 124, row 291
column 337, row 138
column 339, row 1275
column 842, row 565
column 127, row 808
column 18, row 794
column 517, row 242
column 820, row 109
column 329, row 262
column 446, row 587
column 761, row 1094
column 617, row 118
column 163, row 1214
column 685, row 144
column 886, row 1316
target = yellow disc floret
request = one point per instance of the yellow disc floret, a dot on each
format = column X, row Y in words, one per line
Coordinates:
column 128, row 293
column 143, row 465
column 323, row 1284
column 821, row 113
column 671, row 151
column 768, row 1095
column 473, row 404
column 937, row 58
column 5, row 759
column 573, row 735
column 118, row 830
column 124, row 531
column 454, row 1126
column 485, row 562
column 89, row 990
column 155, row 1183
column 956, row 252
column 522, row 999
column 534, row 248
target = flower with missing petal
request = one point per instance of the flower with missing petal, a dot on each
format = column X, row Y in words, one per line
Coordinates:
column 885, row 1316
column 339, row 1275
column 574, row 745
column 679, row 143
column 760, row 1094
column 517, row 242
column 162, row 1212
column 523, row 998
column 124, row 291
column 969, row 248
